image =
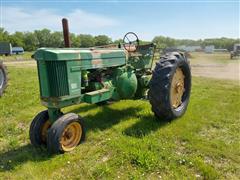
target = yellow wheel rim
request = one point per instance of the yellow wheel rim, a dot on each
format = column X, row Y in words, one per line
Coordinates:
column 44, row 129
column 71, row 136
column 177, row 88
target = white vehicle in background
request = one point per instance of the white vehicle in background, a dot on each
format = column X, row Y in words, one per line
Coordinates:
column 17, row 50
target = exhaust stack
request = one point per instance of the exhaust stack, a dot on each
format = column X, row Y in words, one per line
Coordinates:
column 66, row 36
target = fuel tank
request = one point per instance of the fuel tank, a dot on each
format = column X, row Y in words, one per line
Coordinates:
column 126, row 84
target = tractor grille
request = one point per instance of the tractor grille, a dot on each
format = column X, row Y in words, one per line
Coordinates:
column 58, row 81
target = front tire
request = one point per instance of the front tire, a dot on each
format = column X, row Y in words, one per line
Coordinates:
column 38, row 129
column 170, row 86
column 65, row 133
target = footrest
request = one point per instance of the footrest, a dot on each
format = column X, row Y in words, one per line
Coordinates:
column 97, row 96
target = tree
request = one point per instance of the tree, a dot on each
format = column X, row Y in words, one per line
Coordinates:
column 86, row 40
column 56, row 40
column 102, row 40
column 118, row 41
column 31, row 42
column 17, row 39
column 163, row 42
column 75, row 40
column 43, row 37
column 4, row 35
column 225, row 43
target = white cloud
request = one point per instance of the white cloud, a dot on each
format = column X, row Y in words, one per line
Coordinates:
column 20, row 19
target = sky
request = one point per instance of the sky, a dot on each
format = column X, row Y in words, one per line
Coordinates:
column 181, row 19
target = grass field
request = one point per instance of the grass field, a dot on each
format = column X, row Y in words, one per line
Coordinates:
column 19, row 57
column 124, row 140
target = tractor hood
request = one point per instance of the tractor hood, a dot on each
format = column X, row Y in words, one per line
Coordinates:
column 66, row 54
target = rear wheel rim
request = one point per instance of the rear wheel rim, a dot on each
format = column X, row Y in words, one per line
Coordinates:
column 71, row 136
column 2, row 78
column 177, row 88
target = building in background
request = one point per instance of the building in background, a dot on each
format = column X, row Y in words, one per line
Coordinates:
column 190, row 48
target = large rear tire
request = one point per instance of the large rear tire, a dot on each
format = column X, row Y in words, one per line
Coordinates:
column 3, row 78
column 170, row 86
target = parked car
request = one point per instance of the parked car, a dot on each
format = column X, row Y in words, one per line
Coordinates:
column 17, row 50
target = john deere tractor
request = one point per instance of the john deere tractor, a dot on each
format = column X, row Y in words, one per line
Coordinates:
column 69, row 76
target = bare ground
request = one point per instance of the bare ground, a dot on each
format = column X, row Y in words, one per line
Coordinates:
column 217, row 65
column 27, row 63
column 223, row 71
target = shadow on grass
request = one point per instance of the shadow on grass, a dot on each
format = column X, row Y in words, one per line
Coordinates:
column 85, row 108
column 105, row 118
column 10, row 159
column 144, row 126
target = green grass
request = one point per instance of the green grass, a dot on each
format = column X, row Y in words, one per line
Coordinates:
column 124, row 140
column 25, row 56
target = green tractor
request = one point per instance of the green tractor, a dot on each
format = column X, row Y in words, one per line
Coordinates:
column 69, row 76
column 3, row 78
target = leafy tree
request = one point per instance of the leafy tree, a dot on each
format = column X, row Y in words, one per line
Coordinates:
column 31, row 42
column 4, row 35
column 163, row 42
column 17, row 39
column 43, row 37
column 86, row 40
column 55, row 40
column 224, row 43
column 75, row 40
column 118, row 41
column 102, row 40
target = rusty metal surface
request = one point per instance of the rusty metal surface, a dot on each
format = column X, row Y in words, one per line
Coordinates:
column 66, row 33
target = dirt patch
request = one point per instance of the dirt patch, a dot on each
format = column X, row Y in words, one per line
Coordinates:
column 28, row 63
column 224, row 71
column 215, row 65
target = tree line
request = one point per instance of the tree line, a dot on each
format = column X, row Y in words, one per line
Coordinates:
column 30, row 41
column 219, row 43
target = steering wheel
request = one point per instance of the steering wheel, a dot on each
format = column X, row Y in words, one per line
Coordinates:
column 130, row 42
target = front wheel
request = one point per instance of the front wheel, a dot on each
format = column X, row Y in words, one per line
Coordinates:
column 170, row 86
column 38, row 129
column 65, row 133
